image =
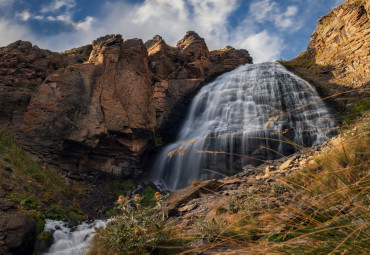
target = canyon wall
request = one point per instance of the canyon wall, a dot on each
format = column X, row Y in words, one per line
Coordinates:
column 338, row 55
column 100, row 113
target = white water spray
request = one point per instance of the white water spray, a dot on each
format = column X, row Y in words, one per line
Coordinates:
column 257, row 111
column 71, row 242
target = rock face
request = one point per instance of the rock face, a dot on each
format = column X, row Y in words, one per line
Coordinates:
column 341, row 40
column 102, row 114
column 23, row 68
column 96, row 115
column 180, row 71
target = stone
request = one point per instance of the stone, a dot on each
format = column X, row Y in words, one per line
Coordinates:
column 20, row 234
column 96, row 108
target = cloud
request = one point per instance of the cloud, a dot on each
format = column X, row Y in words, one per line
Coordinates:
column 24, row 15
column 284, row 20
column 171, row 19
column 263, row 11
column 13, row 32
column 5, row 3
column 263, row 46
column 56, row 5
column 260, row 32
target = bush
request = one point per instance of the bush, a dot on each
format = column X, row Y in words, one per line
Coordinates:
column 135, row 230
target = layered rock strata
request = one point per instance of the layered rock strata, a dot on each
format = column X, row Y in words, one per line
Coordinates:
column 342, row 41
column 102, row 114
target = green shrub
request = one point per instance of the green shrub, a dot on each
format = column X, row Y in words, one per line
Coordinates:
column 30, row 202
column 119, row 188
column 135, row 230
column 55, row 212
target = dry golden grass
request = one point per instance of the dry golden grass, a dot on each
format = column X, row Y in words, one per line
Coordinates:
column 324, row 209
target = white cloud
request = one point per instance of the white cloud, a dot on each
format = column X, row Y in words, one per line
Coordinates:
column 24, row 15
column 170, row 19
column 56, row 5
column 263, row 46
column 267, row 10
column 262, row 10
column 13, row 32
column 291, row 11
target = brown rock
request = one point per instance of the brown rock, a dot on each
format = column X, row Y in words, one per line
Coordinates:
column 181, row 197
column 97, row 115
column 23, row 67
column 17, row 231
column 161, row 62
column 341, row 41
column 102, row 114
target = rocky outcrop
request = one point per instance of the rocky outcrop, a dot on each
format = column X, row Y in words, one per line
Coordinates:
column 338, row 55
column 341, row 40
column 181, row 71
column 97, row 115
column 102, row 114
column 23, row 67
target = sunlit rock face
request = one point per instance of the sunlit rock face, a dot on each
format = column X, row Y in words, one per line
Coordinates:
column 100, row 116
column 341, row 42
column 249, row 115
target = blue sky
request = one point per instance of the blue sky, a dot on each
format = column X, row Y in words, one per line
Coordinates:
column 268, row 29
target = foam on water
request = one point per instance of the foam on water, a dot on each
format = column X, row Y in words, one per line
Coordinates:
column 71, row 242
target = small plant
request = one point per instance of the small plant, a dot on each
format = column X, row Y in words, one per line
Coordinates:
column 135, row 230
column 158, row 141
column 212, row 229
column 29, row 202
column 278, row 188
column 55, row 213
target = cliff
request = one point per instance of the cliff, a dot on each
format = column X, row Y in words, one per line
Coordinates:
column 338, row 55
column 97, row 108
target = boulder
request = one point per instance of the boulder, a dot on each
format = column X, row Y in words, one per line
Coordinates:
column 20, row 234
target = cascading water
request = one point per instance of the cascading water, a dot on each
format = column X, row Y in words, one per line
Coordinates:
column 259, row 112
column 71, row 242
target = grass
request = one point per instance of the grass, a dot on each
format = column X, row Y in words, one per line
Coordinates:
column 37, row 189
column 322, row 209
column 136, row 230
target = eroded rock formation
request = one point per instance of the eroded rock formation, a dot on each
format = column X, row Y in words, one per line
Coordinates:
column 102, row 114
column 341, row 40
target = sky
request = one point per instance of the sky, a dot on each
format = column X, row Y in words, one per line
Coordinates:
column 268, row 29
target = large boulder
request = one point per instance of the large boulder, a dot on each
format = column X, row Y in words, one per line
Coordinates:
column 17, row 231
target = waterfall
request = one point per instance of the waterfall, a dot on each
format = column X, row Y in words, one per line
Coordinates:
column 69, row 241
column 246, row 116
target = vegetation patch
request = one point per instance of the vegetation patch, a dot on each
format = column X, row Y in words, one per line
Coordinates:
column 40, row 192
column 136, row 230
